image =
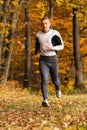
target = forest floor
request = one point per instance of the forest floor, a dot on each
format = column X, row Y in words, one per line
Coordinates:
column 21, row 109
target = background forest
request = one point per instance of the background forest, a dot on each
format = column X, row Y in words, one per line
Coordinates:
column 19, row 22
column 20, row 109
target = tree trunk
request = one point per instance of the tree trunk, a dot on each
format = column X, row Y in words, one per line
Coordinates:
column 27, row 46
column 51, row 4
column 50, row 10
column 0, row 11
column 76, row 46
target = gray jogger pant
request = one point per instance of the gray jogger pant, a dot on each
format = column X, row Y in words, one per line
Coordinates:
column 48, row 64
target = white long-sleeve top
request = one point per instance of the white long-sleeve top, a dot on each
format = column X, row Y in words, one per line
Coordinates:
column 52, row 38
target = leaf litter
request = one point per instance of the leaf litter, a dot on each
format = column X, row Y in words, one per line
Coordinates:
column 22, row 110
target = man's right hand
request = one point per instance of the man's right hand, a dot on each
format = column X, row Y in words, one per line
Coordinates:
column 34, row 57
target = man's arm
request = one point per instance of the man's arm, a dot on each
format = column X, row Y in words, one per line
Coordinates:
column 57, row 43
column 37, row 46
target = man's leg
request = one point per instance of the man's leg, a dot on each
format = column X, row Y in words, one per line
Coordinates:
column 44, row 70
column 54, row 76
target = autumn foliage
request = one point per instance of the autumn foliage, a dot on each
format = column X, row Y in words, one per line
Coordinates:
column 61, row 21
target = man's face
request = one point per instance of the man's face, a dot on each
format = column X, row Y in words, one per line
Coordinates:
column 46, row 25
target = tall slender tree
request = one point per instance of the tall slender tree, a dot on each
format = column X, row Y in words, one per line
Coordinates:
column 27, row 45
column 76, row 46
column 9, row 46
column 13, row 22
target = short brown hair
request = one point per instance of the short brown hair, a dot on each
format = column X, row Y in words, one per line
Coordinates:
column 45, row 18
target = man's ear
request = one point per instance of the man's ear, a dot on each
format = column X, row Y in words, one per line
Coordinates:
column 51, row 26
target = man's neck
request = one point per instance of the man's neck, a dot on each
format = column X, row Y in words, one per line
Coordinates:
column 45, row 31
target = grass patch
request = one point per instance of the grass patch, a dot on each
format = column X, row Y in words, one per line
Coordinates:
column 75, row 91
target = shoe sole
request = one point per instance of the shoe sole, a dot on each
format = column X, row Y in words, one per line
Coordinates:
column 44, row 104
